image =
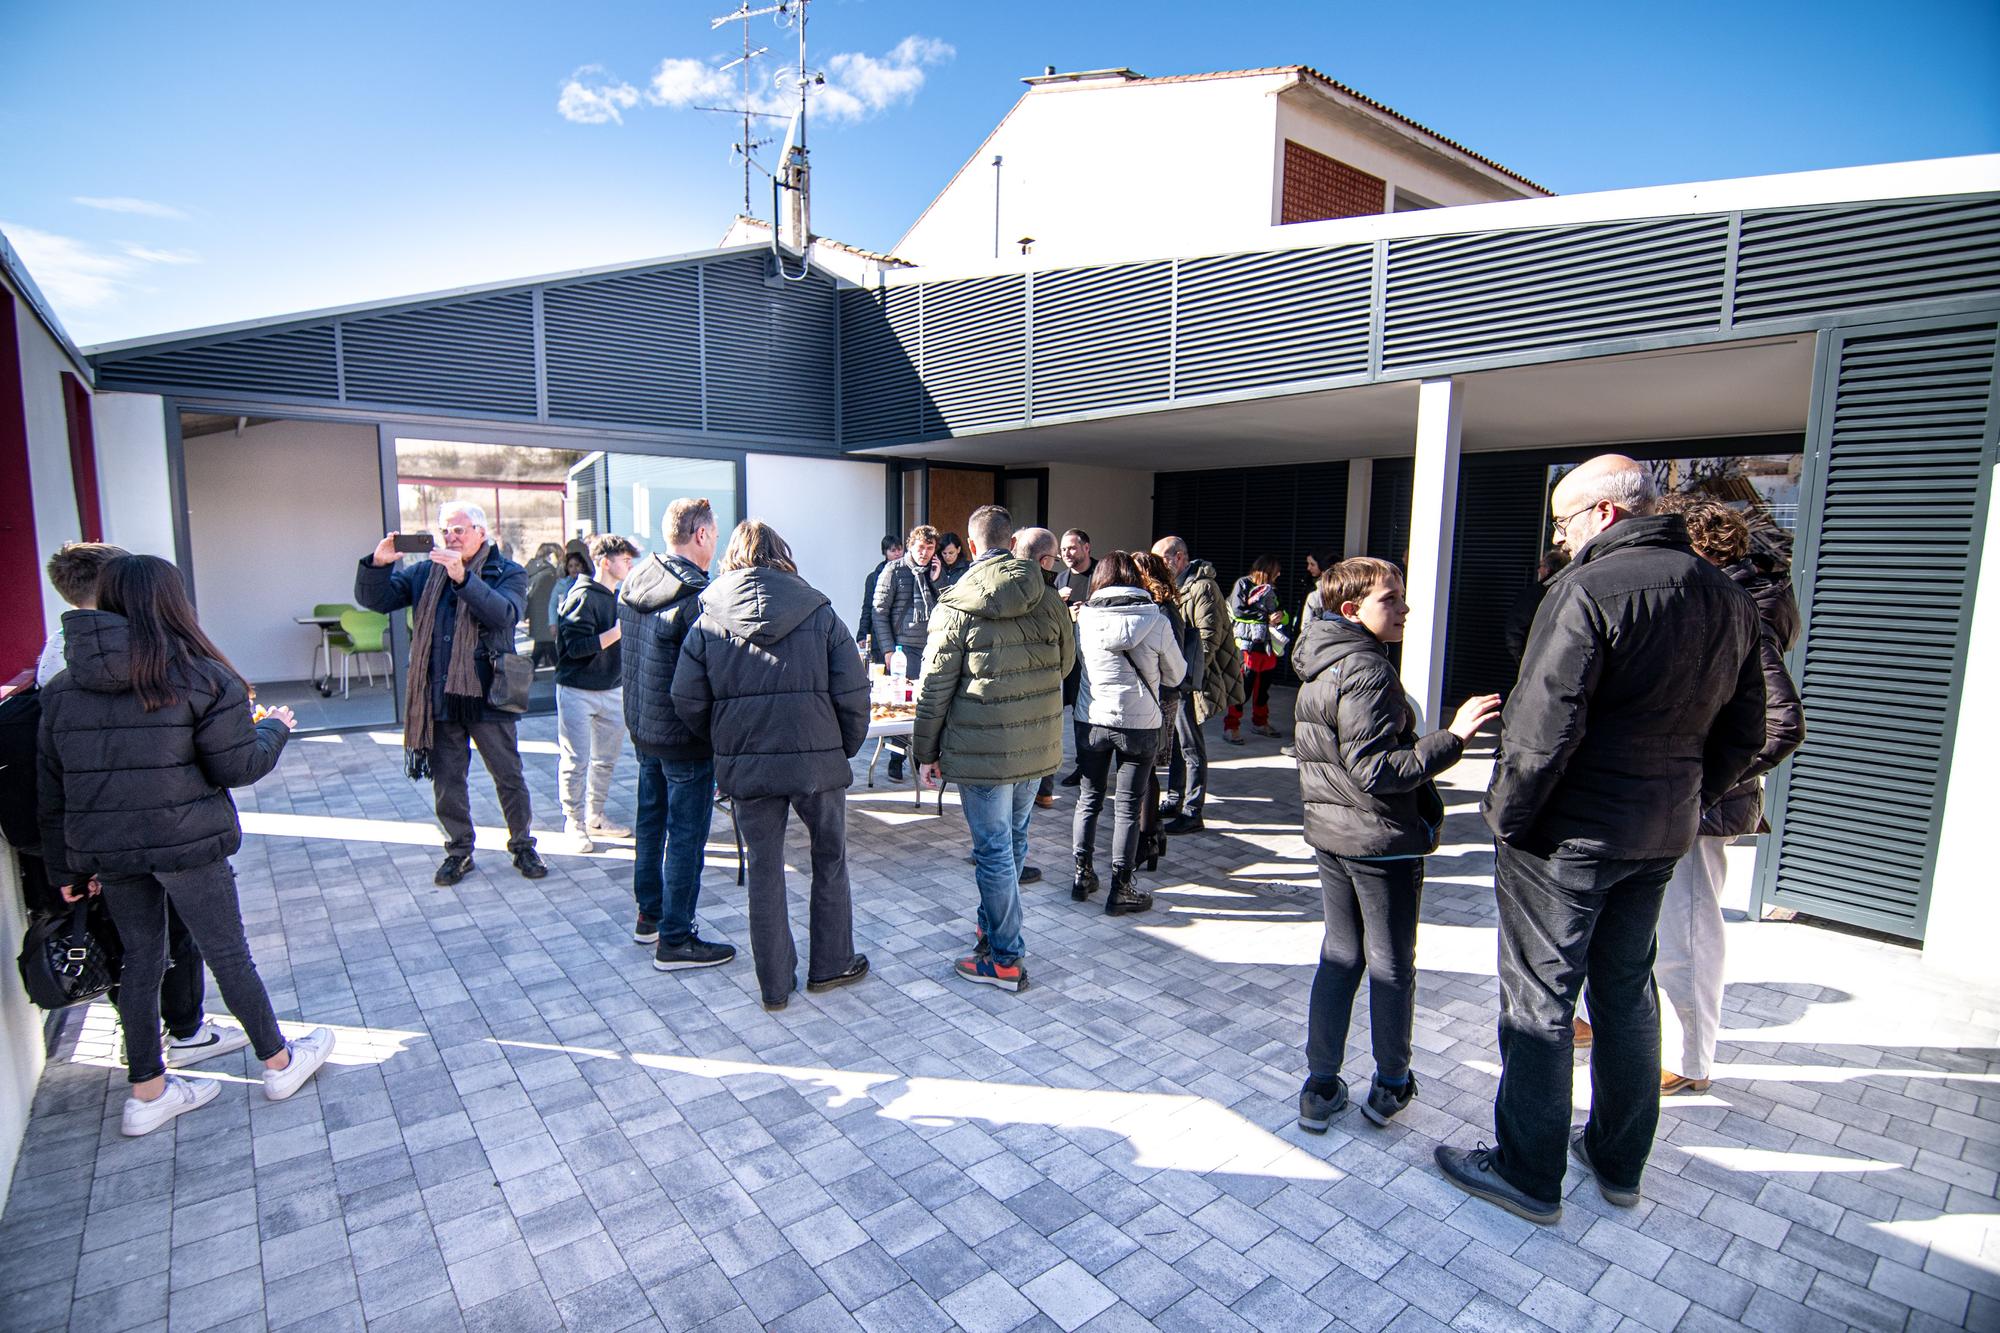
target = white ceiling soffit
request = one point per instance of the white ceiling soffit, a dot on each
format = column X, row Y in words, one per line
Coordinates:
column 1748, row 388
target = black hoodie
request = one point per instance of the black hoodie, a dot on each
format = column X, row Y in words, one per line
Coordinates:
column 771, row 678
column 656, row 604
column 126, row 791
column 1364, row 774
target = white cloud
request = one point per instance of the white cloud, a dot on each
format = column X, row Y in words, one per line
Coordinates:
column 683, row 82
column 77, row 275
column 125, row 204
column 593, row 97
column 859, row 86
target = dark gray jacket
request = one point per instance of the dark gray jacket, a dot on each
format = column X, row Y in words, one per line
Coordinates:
column 497, row 592
column 904, row 600
column 1767, row 580
column 1639, row 704
column 1365, row 776
column 657, row 602
column 771, row 678
column 129, row 792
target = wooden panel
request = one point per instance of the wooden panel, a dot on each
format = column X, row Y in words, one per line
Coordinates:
column 956, row 492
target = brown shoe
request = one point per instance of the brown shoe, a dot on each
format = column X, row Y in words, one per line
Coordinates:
column 1045, row 802
column 1671, row 1083
column 1584, row 1036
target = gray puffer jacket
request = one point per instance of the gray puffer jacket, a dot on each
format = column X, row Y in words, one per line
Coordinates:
column 1128, row 652
column 770, row 677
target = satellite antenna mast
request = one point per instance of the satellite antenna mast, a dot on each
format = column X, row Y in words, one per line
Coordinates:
column 748, row 145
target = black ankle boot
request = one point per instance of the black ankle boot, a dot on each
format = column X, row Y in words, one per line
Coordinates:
column 1151, row 848
column 1086, row 878
column 1123, row 897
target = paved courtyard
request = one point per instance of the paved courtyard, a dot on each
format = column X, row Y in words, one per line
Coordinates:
column 528, row 1127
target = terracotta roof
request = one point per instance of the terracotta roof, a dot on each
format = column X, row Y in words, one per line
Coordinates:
column 817, row 239
column 1309, row 72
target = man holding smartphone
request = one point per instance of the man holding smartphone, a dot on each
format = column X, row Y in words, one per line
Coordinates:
column 467, row 599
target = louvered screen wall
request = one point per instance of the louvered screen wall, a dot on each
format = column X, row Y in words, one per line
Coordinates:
column 1496, row 543
column 1243, row 321
column 1808, row 260
column 975, row 353
column 626, row 349
column 770, row 352
column 1902, row 455
column 881, row 396
column 1229, row 517
column 296, row 362
column 1389, row 510
column 476, row 356
column 1461, row 298
column 1101, row 337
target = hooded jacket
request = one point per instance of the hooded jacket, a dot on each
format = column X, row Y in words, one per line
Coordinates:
column 1207, row 612
column 989, row 708
column 657, row 602
column 1768, row 581
column 770, row 677
column 587, row 615
column 1639, row 704
column 905, row 600
column 126, row 791
column 497, row 592
column 1129, row 652
column 1365, row 776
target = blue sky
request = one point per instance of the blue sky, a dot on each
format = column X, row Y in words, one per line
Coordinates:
column 170, row 166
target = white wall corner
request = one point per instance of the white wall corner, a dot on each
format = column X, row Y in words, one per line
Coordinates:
column 1433, row 515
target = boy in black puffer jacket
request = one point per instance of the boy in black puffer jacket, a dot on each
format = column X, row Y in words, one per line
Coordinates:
column 1372, row 813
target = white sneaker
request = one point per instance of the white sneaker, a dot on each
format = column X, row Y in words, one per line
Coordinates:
column 178, row 1098
column 579, row 836
column 209, row 1041
column 308, row 1054
column 604, row 828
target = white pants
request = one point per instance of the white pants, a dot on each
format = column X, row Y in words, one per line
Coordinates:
column 1689, row 966
column 590, row 727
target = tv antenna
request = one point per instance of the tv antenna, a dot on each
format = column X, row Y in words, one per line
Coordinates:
column 747, row 146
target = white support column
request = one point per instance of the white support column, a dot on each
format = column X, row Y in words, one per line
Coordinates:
column 1433, row 515
column 1360, row 484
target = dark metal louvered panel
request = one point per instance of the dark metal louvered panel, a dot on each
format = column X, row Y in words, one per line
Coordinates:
column 1496, row 543
column 1229, row 517
column 770, row 351
column 476, row 355
column 1462, row 298
column 1101, row 337
column 1811, row 260
column 1243, row 321
column 881, row 395
column 295, row 362
column 975, row 357
column 1319, row 523
column 1176, row 503
column 1389, row 510
column 1903, row 456
column 625, row 349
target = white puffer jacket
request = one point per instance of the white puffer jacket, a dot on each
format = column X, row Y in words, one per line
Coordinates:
column 1127, row 649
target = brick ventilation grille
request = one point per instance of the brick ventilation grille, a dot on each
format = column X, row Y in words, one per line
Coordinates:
column 1318, row 187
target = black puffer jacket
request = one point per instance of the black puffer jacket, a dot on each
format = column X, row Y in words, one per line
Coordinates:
column 904, row 600
column 772, row 679
column 1365, row 775
column 1640, row 701
column 130, row 792
column 657, row 602
column 1768, row 581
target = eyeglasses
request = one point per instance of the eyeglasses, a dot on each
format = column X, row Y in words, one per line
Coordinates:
column 458, row 531
column 1562, row 524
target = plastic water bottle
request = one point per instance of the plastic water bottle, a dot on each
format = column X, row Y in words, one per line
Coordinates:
column 899, row 664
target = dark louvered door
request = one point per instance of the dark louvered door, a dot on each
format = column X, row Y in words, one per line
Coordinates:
column 1389, row 509
column 1901, row 453
column 1495, row 545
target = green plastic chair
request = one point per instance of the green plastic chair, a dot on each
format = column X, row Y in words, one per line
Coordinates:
column 330, row 640
column 366, row 632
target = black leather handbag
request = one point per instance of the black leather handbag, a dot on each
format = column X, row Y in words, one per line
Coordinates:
column 513, row 679
column 72, row 957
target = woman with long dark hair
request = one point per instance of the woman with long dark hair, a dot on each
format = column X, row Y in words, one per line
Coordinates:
column 1128, row 653
column 952, row 560
column 1158, row 580
column 141, row 739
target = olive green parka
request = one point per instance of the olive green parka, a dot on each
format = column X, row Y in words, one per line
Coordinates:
column 1206, row 608
column 989, row 710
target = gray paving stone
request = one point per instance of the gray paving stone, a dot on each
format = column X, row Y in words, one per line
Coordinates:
column 904, row 1310
column 942, row 1265
column 988, row 1305
column 1069, row 1295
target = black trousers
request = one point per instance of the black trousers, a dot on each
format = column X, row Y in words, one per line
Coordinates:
column 1564, row 920
column 1371, row 926
column 1187, row 773
column 762, row 821
column 1118, row 761
column 451, row 765
column 182, row 989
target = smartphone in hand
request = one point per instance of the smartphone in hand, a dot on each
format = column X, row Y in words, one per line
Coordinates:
column 414, row 543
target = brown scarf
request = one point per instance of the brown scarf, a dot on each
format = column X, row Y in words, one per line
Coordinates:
column 461, row 673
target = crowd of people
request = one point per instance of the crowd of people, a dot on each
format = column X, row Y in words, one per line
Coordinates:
column 1651, row 697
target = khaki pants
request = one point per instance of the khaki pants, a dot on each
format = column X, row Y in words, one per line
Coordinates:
column 1688, row 969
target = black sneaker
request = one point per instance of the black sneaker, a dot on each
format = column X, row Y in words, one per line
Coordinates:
column 1183, row 823
column 1317, row 1112
column 647, row 931
column 895, row 773
column 452, row 869
column 855, row 971
column 693, row 952
column 529, row 862
column 1471, row 1169
column 1031, row 874
column 1621, row 1198
column 1384, row 1102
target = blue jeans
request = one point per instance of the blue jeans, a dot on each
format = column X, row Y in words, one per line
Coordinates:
column 998, row 818
column 676, row 802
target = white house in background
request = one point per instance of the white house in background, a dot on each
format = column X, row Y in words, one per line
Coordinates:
column 1087, row 162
